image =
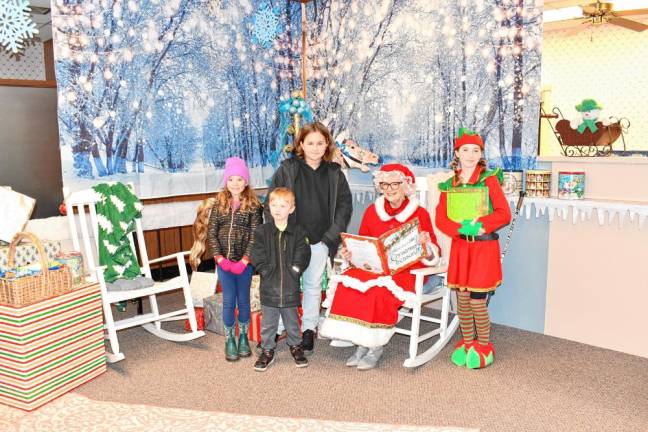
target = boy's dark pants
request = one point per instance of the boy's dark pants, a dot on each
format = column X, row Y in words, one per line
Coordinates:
column 270, row 323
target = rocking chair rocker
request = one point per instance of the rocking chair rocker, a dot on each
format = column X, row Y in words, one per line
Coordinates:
column 84, row 203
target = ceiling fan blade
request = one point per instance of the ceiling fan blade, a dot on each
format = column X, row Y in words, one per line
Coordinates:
column 629, row 24
column 565, row 25
column 631, row 12
column 577, row 29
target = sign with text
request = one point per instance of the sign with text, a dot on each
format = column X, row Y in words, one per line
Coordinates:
column 390, row 253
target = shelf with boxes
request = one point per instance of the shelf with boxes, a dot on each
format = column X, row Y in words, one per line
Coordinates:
column 611, row 188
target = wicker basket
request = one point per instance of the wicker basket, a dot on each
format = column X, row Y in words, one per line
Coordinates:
column 31, row 289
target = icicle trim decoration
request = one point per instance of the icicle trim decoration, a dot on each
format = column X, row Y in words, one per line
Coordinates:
column 582, row 210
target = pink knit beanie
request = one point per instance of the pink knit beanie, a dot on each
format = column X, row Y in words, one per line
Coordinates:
column 236, row 166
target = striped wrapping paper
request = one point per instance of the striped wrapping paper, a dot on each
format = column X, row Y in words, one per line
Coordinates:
column 50, row 347
column 254, row 331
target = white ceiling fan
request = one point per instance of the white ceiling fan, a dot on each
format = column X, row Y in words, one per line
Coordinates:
column 593, row 14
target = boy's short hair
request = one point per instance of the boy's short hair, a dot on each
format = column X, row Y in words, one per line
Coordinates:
column 282, row 193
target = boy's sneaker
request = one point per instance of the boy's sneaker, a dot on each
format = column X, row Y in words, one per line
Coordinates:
column 298, row 354
column 308, row 340
column 264, row 361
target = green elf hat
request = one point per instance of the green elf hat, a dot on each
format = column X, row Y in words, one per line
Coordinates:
column 588, row 105
column 466, row 136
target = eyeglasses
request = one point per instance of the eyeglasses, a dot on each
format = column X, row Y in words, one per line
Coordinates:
column 392, row 186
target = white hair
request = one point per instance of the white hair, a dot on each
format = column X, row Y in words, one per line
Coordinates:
column 408, row 186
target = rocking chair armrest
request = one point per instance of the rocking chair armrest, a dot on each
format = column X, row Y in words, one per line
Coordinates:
column 427, row 271
column 420, row 273
column 179, row 256
column 100, row 270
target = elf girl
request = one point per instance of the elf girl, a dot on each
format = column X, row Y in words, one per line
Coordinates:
column 228, row 221
column 474, row 269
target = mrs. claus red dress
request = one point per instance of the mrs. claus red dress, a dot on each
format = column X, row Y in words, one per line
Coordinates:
column 363, row 305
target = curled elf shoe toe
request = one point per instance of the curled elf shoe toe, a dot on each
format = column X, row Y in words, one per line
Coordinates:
column 459, row 354
column 480, row 356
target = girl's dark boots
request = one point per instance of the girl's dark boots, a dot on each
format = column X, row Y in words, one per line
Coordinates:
column 231, row 351
column 243, row 342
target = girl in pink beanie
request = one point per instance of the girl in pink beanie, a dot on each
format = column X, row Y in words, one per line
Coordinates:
column 227, row 221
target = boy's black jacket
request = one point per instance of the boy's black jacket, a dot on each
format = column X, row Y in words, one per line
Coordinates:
column 280, row 258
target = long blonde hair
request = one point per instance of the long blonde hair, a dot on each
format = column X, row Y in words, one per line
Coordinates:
column 249, row 202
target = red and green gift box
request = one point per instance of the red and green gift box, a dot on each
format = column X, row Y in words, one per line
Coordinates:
column 50, row 347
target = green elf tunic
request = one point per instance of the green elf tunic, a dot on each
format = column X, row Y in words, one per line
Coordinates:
column 475, row 265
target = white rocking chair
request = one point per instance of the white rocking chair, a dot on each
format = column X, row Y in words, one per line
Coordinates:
column 84, row 203
column 446, row 327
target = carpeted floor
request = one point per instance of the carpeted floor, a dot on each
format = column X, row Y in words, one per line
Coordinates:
column 538, row 383
column 74, row 412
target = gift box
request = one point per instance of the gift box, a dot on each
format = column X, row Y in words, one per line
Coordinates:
column 74, row 261
column 213, row 318
column 255, row 294
column 15, row 210
column 200, row 320
column 254, row 331
column 27, row 253
column 213, row 314
column 50, row 347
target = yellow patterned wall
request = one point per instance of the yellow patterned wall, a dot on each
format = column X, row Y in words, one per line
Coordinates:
column 28, row 65
column 607, row 63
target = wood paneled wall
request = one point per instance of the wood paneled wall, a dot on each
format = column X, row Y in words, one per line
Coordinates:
column 167, row 241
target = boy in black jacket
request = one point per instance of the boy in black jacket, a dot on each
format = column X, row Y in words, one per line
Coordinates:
column 280, row 254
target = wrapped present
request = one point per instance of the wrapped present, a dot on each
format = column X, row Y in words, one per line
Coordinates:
column 254, row 331
column 213, row 314
column 255, row 295
column 15, row 211
column 467, row 203
column 213, row 318
column 50, row 347
column 202, row 285
column 27, row 253
column 74, row 261
column 200, row 320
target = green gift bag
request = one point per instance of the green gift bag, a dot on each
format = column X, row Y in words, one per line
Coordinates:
column 467, row 203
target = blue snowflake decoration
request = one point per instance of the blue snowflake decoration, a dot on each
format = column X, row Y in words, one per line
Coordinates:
column 16, row 25
column 266, row 24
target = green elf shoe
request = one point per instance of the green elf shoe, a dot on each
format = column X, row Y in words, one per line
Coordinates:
column 480, row 356
column 459, row 354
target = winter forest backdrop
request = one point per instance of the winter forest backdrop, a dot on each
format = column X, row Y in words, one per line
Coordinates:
column 161, row 92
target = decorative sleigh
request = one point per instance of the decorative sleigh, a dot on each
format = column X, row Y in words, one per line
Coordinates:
column 575, row 144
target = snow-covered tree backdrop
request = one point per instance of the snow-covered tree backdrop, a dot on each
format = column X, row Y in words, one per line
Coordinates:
column 161, row 92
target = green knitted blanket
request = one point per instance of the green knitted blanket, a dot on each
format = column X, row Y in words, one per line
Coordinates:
column 116, row 214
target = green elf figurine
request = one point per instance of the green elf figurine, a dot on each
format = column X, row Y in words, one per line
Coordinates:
column 590, row 111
